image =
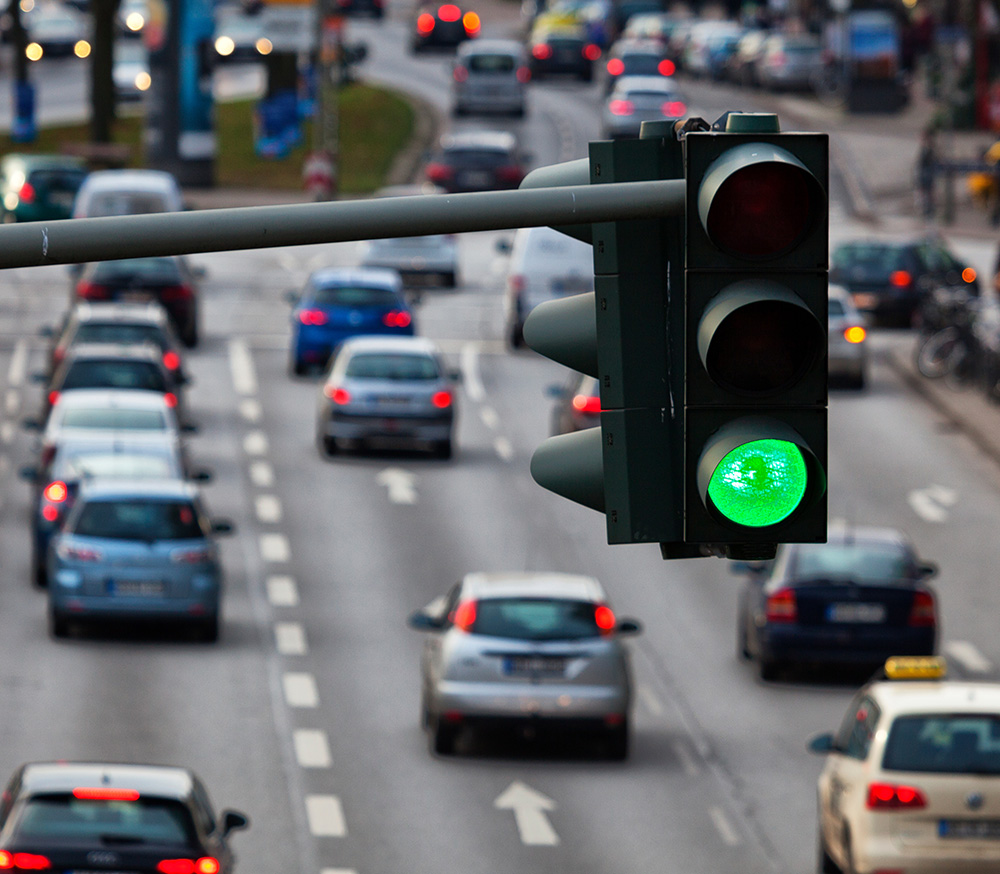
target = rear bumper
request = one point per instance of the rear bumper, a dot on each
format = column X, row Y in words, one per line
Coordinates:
column 422, row 430
column 844, row 646
column 498, row 703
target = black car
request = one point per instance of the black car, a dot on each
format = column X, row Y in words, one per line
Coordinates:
column 372, row 8
column 889, row 278
column 578, row 404
column 562, row 49
column 147, row 819
column 857, row 599
column 443, row 25
column 477, row 161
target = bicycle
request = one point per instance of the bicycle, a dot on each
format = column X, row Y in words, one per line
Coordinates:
column 951, row 351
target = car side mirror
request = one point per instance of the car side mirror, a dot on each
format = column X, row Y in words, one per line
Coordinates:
column 628, row 626
column 29, row 473
column 821, row 744
column 31, row 425
column 222, row 526
column 46, row 331
column 232, row 820
column 421, row 621
column 39, row 377
column 556, row 392
column 202, row 475
column 292, row 297
column 504, row 245
column 199, row 271
column 74, row 270
column 926, row 570
column 455, row 375
column 188, row 428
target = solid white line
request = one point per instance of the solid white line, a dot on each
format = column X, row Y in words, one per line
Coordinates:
column 337, row 871
column 18, row 364
column 722, row 825
column 290, row 638
column 268, row 508
column 688, row 762
column 503, row 448
column 470, row 372
column 300, row 689
column 12, row 402
column 489, row 416
column 282, row 592
column 255, row 443
column 968, row 656
column 312, row 750
column 274, row 547
column 261, row 474
column 651, row 702
column 251, row 410
column 241, row 365
column 326, row 816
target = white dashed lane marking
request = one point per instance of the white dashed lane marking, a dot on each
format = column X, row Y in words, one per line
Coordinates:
column 268, row 509
column 503, row 448
column 241, row 366
column 251, row 410
column 300, row 689
column 726, row 831
column 312, row 749
column 326, row 816
column 282, row 591
column 18, row 364
column 290, row 639
column 274, row 547
column 968, row 656
column 261, row 474
column 255, row 443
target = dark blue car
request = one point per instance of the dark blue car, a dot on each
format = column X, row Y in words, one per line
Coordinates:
column 338, row 303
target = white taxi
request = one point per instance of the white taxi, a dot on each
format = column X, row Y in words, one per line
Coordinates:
column 911, row 782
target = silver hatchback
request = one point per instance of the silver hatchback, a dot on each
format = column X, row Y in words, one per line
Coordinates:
column 490, row 76
column 528, row 651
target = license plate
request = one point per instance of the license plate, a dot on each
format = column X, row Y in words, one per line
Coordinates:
column 988, row 829
column 62, row 198
column 551, row 665
column 476, row 178
column 136, row 296
column 851, row 612
column 137, row 588
column 865, row 301
column 385, row 400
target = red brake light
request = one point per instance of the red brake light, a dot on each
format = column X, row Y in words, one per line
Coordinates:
column 441, row 399
column 781, row 606
column 90, row 291
column 923, row 613
column 6, row 859
column 425, row 23
column 604, row 618
column 207, row 865
column 587, row 404
column 591, row 52
column 337, row 394
column 516, row 283
column 542, row 51
column 53, row 397
column 969, row 275
column 900, row 278
column 510, row 174
column 56, row 492
column 889, row 796
column 439, row 172
column 177, row 866
column 523, row 75
column 50, row 513
column 778, row 59
column 470, row 21
column 621, row 107
column 312, row 317
column 464, row 616
column 616, row 66
column 171, row 360
column 78, row 553
column 23, row 861
column 105, row 793
column 27, row 193
column 170, row 398
column 674, row 109
column 397, row 319
column 449, row 12
column 666, row 67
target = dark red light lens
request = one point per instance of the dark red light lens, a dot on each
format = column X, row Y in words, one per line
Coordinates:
column 923, row 613
column 337, row 394
column 425, row 23
column 900, row 278
column 666, row 68
column 781, row 606
column 30, row 862
column 604, row 618
column 27, row 193
column 674, row 108
column 587, row 404
column 591, row 52
column 621, row 107
column 53, row 397
column 465, row 615
column 90, row 291
column 542, row 51
column 890, row 796
column 105, row 793
column 170, row 398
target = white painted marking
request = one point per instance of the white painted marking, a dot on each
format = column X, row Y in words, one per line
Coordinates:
column 255, row 443
column 651, row 702
column 282, row 591
column 503, row 448
column 251, row 410
column 932, row 503
column 967, row 656
column 337, row 871
column 688, row 762
column 241, row 365
column 261, row 474
column 400, row 483
column 6, row 432
column 727, row 832
column 312, row 749
column 290, row 638
column 268, row 509
column 12, row 402
column 529, row 808
column 18, row 364
column 490, row 417
column 274, row 547
column 326, row 816
column 300, row 689
column 470, row 372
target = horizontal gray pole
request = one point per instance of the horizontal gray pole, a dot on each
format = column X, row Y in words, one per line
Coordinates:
column 72, row 241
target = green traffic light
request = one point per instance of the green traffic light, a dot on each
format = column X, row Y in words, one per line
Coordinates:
column 759, row 483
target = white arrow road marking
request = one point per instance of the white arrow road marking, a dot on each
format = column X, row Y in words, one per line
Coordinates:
column 400, row 484
column 529, row 808
column 968, row 656
column 932, row 503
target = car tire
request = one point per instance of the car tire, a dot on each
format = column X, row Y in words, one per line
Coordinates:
column 769, row 668
column 824, row 863
column 587, row 77
column 39, row 574
column 449, row 280
column 457, row 111
column 616, row 743
column 743, row 642
column 520, row 112
column 444, row 449
column 442, row 738
column 327, row 445
column 58, row 625
column 190, row 338
column 858, row 382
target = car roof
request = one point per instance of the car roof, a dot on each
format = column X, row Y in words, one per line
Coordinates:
column 133, row 180
column 897, row 239
column 113, row 487
column 532, row 584
column 491, row 47
column 158, row 780
column 44, row 161
column 120, row 441
column 898, row 697
column 490, row 139
column 116, row 311
column 389, row 344
column 375, row 276
column 646, row 83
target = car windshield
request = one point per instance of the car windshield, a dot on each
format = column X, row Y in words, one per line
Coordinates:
column 118, row 332
column 836, row 307
column 109, row 419
column 353, row 296
column 395, row 366
column 115, row 464
column 951, row 744
column 114, row 373
column 138, row 519
column 861, row 563
column 135, row 269
column 125, row 203
column 535, row 619
column 104, row 821
column 491, row 63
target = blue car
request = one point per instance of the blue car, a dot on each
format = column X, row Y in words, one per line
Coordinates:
column 338, row 303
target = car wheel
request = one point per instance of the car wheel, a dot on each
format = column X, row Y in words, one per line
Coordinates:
column 457, row 111
column 825, row 864
column 617, row 742
column 297, row 367
column 743, row 642
column 444, row 449
column 443, row 738
column 327, row 445
column 520, row 112
column 587, row 77
column 769, row 669
column 190, row 338
column 449, row 280
column 858, row 383
column 39, row 574
column 58, row 624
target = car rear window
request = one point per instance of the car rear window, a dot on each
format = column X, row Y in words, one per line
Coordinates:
column 482, row 157
column 115, row 464
column 868, row 258
column 125, row 203
column 106, row 419
column 56, row 180
column 535, row 619
column 152, row 270
column 145, row 820
column 861, row 563
column 950, row 744
column 491, row 63
column 397, row 367
column 114, row 373
column 354, row 296
column 641, row 65
column 119, row 332
column 138, row 520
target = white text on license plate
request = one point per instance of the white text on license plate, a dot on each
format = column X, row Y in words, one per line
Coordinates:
column 534, row 665
column 969, row 828
column 851, row 612
column 138, row 588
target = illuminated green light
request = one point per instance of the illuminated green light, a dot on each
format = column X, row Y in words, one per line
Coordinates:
column 759, row 483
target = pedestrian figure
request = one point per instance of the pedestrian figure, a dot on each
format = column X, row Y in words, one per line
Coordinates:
column 926, row 170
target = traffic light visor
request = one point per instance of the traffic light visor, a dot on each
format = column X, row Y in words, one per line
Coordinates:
column 758, row 201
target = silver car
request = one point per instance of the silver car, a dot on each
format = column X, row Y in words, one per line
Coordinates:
column 387, row 390
column 136, row 550
column 528, row 651
column 490, row 76
column 636, row 99
column 848, row 355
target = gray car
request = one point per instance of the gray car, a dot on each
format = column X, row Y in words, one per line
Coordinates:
column 490, row 76
column 390, row 391
column 527, row 651
column 136, row 550
column 636, row 99
column 848, row 333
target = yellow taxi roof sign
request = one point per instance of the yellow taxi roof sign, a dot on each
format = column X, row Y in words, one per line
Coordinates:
column 916, row 668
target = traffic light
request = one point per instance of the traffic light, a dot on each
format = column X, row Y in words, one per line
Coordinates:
column 755, row 336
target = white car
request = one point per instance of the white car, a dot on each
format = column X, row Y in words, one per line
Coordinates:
column 127, row 192
column 912, row 775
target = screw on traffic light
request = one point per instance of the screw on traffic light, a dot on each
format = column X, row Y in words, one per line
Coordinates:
column 755, row 315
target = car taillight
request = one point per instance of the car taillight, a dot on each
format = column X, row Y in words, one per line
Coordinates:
column 91, row 291
column 781, row 606
column 968, row 275
column 510, row 174
column 337, row 394
column 170, row 399
column 470, row 21
column 541, row 51
column 586, row 404
column 27, row 193
column 204, row 865
column 592, row 52
column 449, row 12
column 53, row 397
column 460, row 73
column 778, row 59
column 890, row 796
column 621, row 107
column 604, row 618
column 312, row 317
column 199, row 555
column 674, row 108
column 56, row 492
column 438, row 172
column 523, row 75
column 900, row 278
column 616, row 66
column 923, row 613
column 23, row 861
column 464, row 616
column 666, row 68
column 441, row 399
column 176, row 292
column 425, row 23
column 855, row 334
column 78, row 553
column 171, row 360
column 397, row 319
